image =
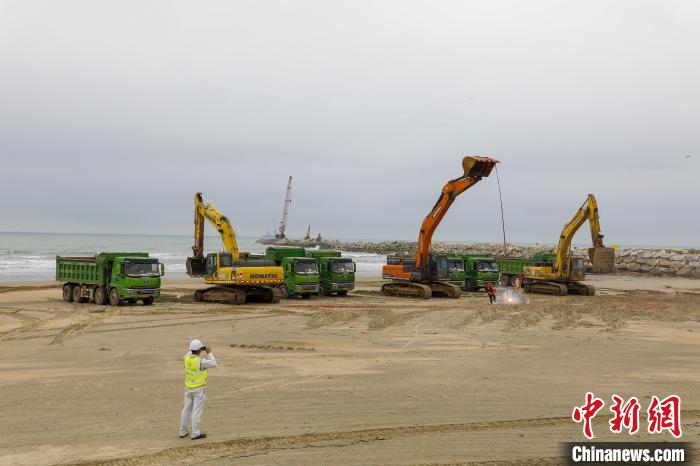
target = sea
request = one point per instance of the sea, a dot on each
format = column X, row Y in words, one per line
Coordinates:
column 31, row 257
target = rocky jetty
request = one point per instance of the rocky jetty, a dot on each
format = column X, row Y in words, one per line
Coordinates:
column 669, row 262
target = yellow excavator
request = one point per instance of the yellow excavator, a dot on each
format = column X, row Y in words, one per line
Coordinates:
column 237, row 276
column 564, row 276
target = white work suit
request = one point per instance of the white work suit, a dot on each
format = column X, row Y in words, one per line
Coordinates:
column 194, row 401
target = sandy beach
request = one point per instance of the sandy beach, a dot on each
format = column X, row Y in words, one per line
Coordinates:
column 359, row 380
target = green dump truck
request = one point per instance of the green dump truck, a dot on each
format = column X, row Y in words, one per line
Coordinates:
column 114, row 277
column 479, row 271
column 301, row 275
column 512, row 267
column 337, row 273
column 455, row 271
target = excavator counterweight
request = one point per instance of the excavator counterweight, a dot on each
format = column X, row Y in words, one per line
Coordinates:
column 426, row 275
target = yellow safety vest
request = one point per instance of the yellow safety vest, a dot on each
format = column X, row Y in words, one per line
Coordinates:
column 195, row 376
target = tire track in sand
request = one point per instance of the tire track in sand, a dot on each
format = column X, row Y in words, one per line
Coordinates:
column 261, row 445
column 253, row 446
column 27, row 323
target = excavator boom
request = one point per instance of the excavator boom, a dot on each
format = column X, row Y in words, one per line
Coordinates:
column 602, row 258
column 565, row 274
column 206, row 210
column 475, row 168
column 415, row 278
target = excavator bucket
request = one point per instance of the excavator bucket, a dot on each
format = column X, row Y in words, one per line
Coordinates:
column 196, row 266
column 602, row 259
column 478, row 167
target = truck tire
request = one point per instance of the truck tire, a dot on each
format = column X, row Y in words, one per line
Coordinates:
column 68, row 293
column 77, row 297
column 147, row 301
column 285, row 291
column 114, row 297
column 100, row 296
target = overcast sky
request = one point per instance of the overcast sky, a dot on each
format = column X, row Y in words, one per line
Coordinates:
column 114, row 113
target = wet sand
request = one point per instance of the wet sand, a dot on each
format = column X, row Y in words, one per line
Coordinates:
column 359, row 380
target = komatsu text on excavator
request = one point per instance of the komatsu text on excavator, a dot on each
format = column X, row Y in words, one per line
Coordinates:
column 427, row 274
column 564, row 276
column 237, row 276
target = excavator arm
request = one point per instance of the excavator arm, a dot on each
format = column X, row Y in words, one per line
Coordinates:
column 206, row 210
column 561, row 263
column 602, row 258
column 475, row 168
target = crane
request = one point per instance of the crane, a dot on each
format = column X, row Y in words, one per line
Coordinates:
column 427, row 273
column 565, row 274
column 285, row 212
column 236, row 276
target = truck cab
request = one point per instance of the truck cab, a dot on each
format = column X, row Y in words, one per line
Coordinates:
column 337, row 273
column 479, row 272
column 140, row 277
column 301, row 273
column 456, row 274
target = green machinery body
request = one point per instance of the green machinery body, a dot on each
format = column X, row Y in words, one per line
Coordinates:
column 301, row 273
column 512, row 267
column 479, row 272
column 113, row 277
column 337, row 273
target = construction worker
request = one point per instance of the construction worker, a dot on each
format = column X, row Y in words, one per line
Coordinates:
column 491, row 292
column 196, row 366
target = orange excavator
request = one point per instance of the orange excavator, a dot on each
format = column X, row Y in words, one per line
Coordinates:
column 426, row 274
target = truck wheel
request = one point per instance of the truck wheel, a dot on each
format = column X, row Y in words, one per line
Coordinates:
column 68, row 293
column 285, row 291
column 77, row 297
column 114, row 297
column 100, row 296
column 147, row 301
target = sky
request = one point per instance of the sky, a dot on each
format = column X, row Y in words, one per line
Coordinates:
column 114, row 113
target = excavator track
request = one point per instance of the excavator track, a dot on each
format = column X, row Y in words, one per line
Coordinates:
column 221, row 294
column 542, row 287
column 445, row 290
column 407, row 290
column 273, row 295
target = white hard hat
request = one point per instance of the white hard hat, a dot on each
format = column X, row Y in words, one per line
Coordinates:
column 196, row 345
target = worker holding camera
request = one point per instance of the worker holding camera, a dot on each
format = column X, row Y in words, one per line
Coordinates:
column 197, row 361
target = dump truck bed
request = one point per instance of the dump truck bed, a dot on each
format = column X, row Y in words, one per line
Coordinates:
column 89, row 270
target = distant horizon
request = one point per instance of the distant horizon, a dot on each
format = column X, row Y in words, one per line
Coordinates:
column 349, row 240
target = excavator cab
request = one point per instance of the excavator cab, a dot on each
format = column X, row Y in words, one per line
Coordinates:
column 577, row 269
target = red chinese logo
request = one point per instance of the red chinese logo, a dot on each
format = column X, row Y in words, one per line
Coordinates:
column 624, row 415
column 665, row 415
column 587, row 412
column 662, row 415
